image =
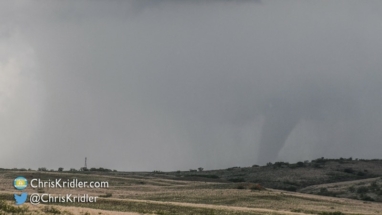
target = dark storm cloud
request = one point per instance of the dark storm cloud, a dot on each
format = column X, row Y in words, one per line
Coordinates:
column 143, row 85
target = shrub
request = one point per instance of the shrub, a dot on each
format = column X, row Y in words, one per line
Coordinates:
column 325, row 192
column 366, row 198
column 379, row 192
column 374, row 186
column 4, row 206
column 361, row 173
column 107, row 195
column 233, row 168
column 281, row 164
column 320, row 160
column 240, row 187
column 257, row 187
column 362, row 189
column 349, row 170
column 203, row 176
column 300, row 164
column 237, row 180
column 291, row 188
column 101, row 169
column 51, row 210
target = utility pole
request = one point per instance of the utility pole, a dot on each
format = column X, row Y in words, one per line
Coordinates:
column 86, row 165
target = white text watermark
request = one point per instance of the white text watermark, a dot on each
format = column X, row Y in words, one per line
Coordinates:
column 37, row 198
column 73, row 183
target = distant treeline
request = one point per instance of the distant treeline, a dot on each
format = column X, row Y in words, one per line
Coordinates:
column 316, row 162
column 44, row 169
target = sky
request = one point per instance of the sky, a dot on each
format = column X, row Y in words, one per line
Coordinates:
column 143, row 85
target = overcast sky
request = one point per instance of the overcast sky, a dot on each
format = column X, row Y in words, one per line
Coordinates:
column 180, row 84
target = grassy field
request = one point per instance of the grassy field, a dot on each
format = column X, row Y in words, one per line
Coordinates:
column 162, row 193
column 365, row 189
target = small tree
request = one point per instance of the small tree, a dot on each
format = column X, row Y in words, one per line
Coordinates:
column 60, row 169
column 300, row 164
column 200, row 169
column 362, row 189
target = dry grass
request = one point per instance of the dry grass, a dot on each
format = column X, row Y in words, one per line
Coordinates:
column 147, row 194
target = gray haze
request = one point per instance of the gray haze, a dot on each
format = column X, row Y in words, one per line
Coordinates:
column 171, row 84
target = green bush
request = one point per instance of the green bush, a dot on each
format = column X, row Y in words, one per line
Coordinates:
column 101, row 169
column 107, row 195
column 361, row 173
column 291, row 188
column 5, row 207
column 203, row 176
column 325, row 192
column 374, row 187
column 51, row 210
column 240, row 187
column 362, row 189
column 236, row 180
column 349, row 170
column 300, row 164
column 366, row 198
